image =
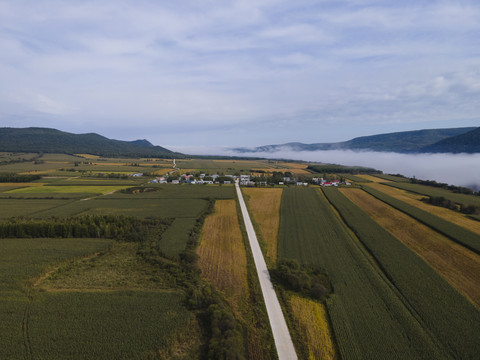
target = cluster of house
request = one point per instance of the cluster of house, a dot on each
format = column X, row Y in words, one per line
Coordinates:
column 323, row 182
column 190, row 179
column 244, row 180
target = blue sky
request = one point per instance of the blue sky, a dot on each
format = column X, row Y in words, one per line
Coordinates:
column 239, row 73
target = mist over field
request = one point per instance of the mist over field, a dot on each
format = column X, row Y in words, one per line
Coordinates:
column 455, row 169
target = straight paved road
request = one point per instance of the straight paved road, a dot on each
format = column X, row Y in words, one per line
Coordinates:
column 283, row 341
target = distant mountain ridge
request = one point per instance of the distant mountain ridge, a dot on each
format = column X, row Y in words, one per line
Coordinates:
column 464, row 143
column 36, row 139
column 417, row 141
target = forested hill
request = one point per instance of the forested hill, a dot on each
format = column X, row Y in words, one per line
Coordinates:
column 55, row 141
column 401, row 142
column 464, row 143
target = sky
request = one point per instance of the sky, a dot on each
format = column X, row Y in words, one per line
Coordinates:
column 239, row 73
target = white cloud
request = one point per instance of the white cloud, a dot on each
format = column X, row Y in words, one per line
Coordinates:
column 242, row 65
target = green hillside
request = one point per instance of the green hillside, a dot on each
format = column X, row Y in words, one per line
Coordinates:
column 400, row 142
column 55, row 141
column 465, row 143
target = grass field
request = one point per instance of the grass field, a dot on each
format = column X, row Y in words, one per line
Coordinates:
column 31, row 167
column 105, row 304
column 444, row 213
column 119, row 268
column 451, row 321
column 312, row 321
column 111, row 325
column 264, row 204
column 368, row 318
column 460, row 266
column 129, row 206
column 28, row 207
column 52, row 189
column 184, row 191
column 223, row 259
column 393, row 178
column 175, row 238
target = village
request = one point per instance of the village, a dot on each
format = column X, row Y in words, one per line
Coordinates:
column 246, row 180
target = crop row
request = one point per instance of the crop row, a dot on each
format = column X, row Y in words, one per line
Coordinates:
column 451, row 321
column 453, row 231
column 431, row 191
column 369, row 319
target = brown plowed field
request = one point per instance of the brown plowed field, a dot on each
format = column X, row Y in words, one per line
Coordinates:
column 458, row 265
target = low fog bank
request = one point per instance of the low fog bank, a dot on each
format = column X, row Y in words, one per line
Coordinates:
column 455, row 169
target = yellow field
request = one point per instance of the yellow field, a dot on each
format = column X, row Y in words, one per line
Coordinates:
column 162, row 171
column 458, row 265
column 311, row 319
column 444, row 213
column 21, row 184
column 298, row 171
column 265, row 207
column 37, row 172
column 223, row 259
column 372, row 178
column 293, row 165
column 88, row 156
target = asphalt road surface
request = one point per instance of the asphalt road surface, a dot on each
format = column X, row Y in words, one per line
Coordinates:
column 281, row 336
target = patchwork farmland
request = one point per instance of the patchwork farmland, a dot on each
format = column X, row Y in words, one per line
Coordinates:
column 161, row 271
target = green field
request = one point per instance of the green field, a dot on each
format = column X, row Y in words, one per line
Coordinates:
column 110, row 322
column 450, row 320
column 369, row 319
column 184, row 191
column 52, row 189
column 31, row 167
column 28, row 207
column 108, row 325
column 175, row 238
column 393, row 178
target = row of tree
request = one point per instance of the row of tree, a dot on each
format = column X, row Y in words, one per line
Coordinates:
column 88, row 226
column 453, row 188
column 342, row 169
column 16, row 178
column 449, row 204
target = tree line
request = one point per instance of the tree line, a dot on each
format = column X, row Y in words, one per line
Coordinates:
column 16, row 178
column 449, row 204
column 335, row 169
column 89, row 226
